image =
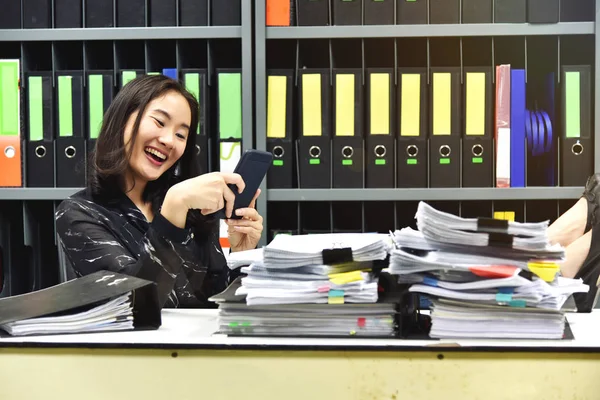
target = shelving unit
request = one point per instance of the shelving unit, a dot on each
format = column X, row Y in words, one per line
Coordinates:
column 303, row 200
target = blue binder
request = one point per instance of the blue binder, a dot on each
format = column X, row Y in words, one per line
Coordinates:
column 518, row 153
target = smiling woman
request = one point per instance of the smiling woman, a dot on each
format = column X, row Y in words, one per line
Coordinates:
column 146, row 211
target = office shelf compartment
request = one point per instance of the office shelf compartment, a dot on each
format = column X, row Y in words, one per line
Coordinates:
column 511, row 206
column 15, row 277
column 475, row 209
column 405, row 214
column 315, row 218
column 37, row 56
column 347, row 216
column 99, row 55
column 379, row 216
column 284, row 218
column 160, row 55
column 541, row 210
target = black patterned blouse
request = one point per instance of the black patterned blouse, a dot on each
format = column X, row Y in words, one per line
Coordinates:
column 114, row 235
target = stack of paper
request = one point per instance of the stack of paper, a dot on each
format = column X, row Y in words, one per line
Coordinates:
column 514, row 291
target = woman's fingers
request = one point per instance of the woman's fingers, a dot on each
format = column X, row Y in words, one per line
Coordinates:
column 253, row 202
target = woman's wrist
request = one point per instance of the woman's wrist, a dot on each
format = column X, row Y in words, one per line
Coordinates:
column 174, row 208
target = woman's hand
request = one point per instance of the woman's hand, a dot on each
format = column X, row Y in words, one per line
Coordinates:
column 208, row 193
column 245, row 233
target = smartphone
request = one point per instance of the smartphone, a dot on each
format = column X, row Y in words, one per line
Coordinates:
column 252, row 167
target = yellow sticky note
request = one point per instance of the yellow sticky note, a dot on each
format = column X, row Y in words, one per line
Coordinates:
column 311, row 105
column 335, row 300
column 380, row 104
column 442, row 103
column 345, row 277
column 410, row 105
column 546, row 271
column 344, row 105
column 276, row 105
column 499, row 214
column 509, row 215
column 475, row 103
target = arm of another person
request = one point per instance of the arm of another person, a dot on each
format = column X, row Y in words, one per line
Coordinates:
column 91, row 244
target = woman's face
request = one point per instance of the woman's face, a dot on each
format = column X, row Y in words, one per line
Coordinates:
column 162, row 136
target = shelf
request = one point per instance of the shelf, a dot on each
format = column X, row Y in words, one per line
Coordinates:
column 36, row 193
column 196, row 32
column 380, row 31
column 450, row 194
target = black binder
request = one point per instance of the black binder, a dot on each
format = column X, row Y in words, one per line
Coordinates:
column 68, row 14
column 193, row 12
column 83, row 293
column 477, row 142
column 99, row 13
column 477, row 11
column 543, row 11
column 510, row 11
column 279, row 128
column 226, row 12
column 10, row 17
column 163, row 12
column 444, row 140
column 444, row 11
column 131, row 13
column 379, row 12
column 39, row 146
column 410, row 12
column 312, row 12
column 412, row 158
column 313, row 147
column 347, row 144
column 196, row 81
column 37, row 14
column 576, row 145
column 577, row 10
column 70, row 142
column 347, row 12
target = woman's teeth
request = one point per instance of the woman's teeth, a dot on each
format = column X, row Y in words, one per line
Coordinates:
column 156, row 153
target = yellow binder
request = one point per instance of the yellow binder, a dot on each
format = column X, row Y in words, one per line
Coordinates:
column 410, row 104
column 442, row 103
column 311, row 105
column 379, row 111
column 344, row 104
column 276, row 106
column 475, row 103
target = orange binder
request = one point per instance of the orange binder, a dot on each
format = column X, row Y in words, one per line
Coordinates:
column 10, row 137
column 278, row 12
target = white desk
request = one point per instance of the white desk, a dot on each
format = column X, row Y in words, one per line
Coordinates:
column 184, row 359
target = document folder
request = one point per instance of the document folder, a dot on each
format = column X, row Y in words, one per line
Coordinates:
column 518, row 151
column 510, row 11
column 226, row 12
column 444, row 11
column 312, row 12
column 279, row 128
column 131, row 13
column 477, row 11
column 348, row 155
column 347, row 12
column 543, row 11
column 10, row 124
column 280, row 12
column 163, row 12
column 40, row 154
column 412, row 160
column 576, row 144
column 100, row 93
column 409, row 12
column 444, row 142
column 125, row 76
column 502, row 126
column 99, row 13
column 68, row 14
column 380, row 146
column 193, row 12
column 229, row 117
column 313, row 146
column 196, row 81
column 70, row 144
column 379, row 12
column 478, row 148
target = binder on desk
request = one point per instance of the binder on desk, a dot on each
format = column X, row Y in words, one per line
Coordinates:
column 279, row 128
column 10, row 125
column 40, row 152
column 478, row 147
column 347, row 12
column 193, row 12
column 131, row 13
column 127, row 75
column 313, row 147
column 37, row 14
column 576, row 142
column 444, row 11
column 226, row 12
column 410, row 12
column 510, row 11
column 70, row 143
column 518, row 151
column 543, row 11
column 163, row 12
column 229, row 117
column 348, row 156
column 312, row 12
column 100, row 93
column 280, row 12
column 379, row 12
column 68, row 14
column 477, row 11
column 99, row 13
column 380, row 146
column 444, row 141
column 196, row 82
column 10, row 17
column 412, row 159
column 502, row 126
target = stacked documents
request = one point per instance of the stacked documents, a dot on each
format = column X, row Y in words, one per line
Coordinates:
column 506, row 291
column 309, row 284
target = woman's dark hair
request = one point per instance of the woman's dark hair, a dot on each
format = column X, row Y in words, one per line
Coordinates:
column 109, row 161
